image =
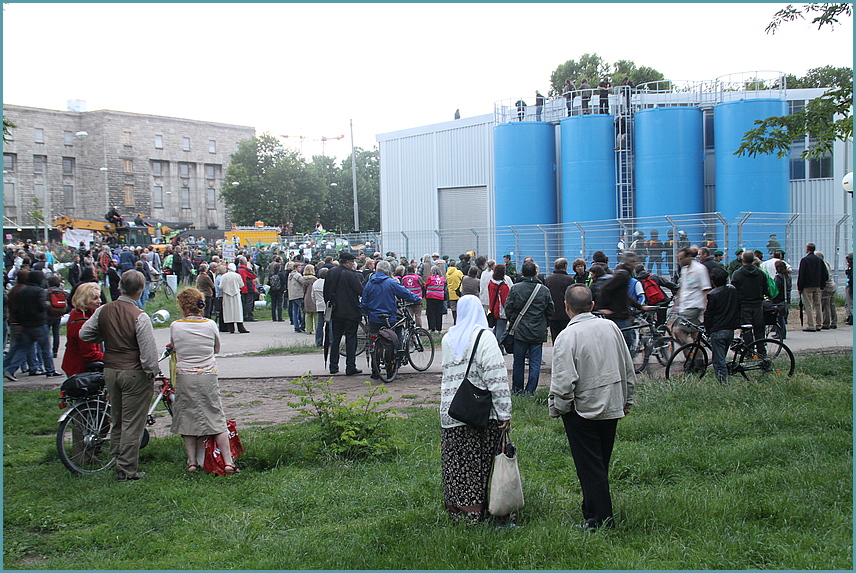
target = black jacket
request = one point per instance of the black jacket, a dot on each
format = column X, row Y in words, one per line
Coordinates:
column 533, row 326
column 558, row 282
column 813, row 273
column 342, row 289
column 723, row 309
column 751, row 284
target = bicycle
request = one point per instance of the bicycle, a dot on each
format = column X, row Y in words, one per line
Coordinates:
column 83, row 435
column 167, row 290
column 754, row 361
column 415, row 347
column 650, row 340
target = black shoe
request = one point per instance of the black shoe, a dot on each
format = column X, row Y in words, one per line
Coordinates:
column 334, row 370
column 250, row 320
column 52, row 374
column 353, row 372
column 243, row 332
column 35, row 373
column 375, row 376
column 122, row 477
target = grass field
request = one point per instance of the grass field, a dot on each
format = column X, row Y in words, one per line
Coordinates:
column 747, row 476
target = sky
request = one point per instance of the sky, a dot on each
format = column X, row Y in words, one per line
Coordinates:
column 309, row 69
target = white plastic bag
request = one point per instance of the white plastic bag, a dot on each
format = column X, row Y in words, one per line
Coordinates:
column 506, row 490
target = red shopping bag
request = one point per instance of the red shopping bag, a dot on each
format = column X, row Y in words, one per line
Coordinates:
column 214, row 457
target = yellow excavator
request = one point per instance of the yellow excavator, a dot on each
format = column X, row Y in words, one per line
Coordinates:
column 114, row 235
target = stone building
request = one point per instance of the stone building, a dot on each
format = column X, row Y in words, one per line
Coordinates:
column 82, row 163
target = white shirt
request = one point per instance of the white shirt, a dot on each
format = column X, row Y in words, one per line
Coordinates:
column 693, row 287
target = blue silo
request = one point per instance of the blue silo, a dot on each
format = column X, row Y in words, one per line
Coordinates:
column 588, row 181
column 760, row 183
column 525, row 188
column 669, row 151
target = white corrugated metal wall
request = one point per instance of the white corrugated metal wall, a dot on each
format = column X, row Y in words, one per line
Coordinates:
column 415, row 164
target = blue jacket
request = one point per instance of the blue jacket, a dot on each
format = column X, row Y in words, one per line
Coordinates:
column 379, row 297
column 126, row 261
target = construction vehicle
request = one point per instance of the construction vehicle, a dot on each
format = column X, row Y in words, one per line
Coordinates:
column 116, row 235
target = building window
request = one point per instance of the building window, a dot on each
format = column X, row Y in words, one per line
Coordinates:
column 184, row 170
column 68, row 165
column 129, row 194
column 185, row 197
column 8, row 194
column 157, row 168
column 128, row 165
column 212, row 146
column 39, row 135
column 210, row 171
column 820, row 168
column 126, row 137
column 157, row 197
column 708, row 130
column 211, row 199
column 68, row 196
column 795, row 106
column 40, row 163
column 185, row 143
column 9, row 161
column 159, row 142
column 68, row 137
column 41, row 193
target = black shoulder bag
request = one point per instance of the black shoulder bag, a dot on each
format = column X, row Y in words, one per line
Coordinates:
column 471, row 404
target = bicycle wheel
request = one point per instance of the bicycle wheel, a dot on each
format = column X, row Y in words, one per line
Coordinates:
column 420, row 349
column 83, row 438
column 154, row 289
column 387, row 369
column 687, row 361
column 168, row 292
column 362, row 341
column 766, row 358
column 640, row 352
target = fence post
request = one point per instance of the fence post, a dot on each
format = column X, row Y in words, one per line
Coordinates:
column 724, row 232
column 546, row 247
column 740, row 229
column 516, row 243
column 835, row 241
column 582, row 240
column 788, row 226
column 673, row 266
column 473, row 231
column 406, row 245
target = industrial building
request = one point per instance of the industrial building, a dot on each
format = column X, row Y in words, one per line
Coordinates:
column 80, row 163
column 583, row 175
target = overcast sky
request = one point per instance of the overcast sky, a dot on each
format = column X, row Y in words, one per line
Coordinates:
column 307, row 69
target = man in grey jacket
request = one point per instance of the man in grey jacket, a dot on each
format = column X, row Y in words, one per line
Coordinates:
column 592, row 388
column 531, row 331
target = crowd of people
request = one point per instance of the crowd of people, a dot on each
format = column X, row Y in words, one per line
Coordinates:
column 582, row 306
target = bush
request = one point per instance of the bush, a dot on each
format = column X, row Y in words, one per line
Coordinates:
column 352, row 430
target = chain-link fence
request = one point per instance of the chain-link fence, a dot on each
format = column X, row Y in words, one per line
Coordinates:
column 660, row 239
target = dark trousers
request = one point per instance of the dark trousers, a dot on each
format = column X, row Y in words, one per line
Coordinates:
column 209, row 306
column 591, row 444
column 276, row 304
column 248, row 302
column 347, row 328
column 557, row 326
column 753, row 315
column 434, row 312
column 53, row 327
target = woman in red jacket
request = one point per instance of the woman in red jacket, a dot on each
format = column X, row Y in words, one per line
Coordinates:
column 498, row 289
column 78, row 353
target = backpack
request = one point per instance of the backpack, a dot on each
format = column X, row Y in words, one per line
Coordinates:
column 275, row 282
column 59, row 302
column 387, row 342
column 771, row 286
column 653, row 293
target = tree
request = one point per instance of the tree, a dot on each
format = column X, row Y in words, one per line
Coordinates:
column 827, row 118
column 7, row 125
column 593, row 68
column 276, row 185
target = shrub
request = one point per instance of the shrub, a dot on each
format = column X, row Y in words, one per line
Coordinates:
column 352, row 430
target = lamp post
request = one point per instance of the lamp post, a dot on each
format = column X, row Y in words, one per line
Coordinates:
column 354, row 178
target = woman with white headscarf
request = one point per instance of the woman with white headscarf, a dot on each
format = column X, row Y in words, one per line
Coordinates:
column 233, row 311
column 467, row 451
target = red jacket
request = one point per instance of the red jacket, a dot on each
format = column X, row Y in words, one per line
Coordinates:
column 78, row 352
column 248, row 277
column 498, row 294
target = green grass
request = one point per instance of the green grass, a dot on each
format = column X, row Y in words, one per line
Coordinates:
column 297, row 348
column 746, row 476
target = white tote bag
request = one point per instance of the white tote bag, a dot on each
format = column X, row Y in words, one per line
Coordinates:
column 506, row 490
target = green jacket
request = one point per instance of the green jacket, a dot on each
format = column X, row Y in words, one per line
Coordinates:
column 533, row 326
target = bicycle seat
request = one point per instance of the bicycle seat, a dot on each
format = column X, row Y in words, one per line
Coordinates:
column 95, row 366
column 746, row 327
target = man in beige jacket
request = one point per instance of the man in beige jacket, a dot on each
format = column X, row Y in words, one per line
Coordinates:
column 592, row 387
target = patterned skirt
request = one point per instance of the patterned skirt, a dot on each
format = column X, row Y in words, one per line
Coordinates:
column 467, row 457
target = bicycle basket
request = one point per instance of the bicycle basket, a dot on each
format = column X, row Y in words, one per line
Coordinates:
column 83, row 384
